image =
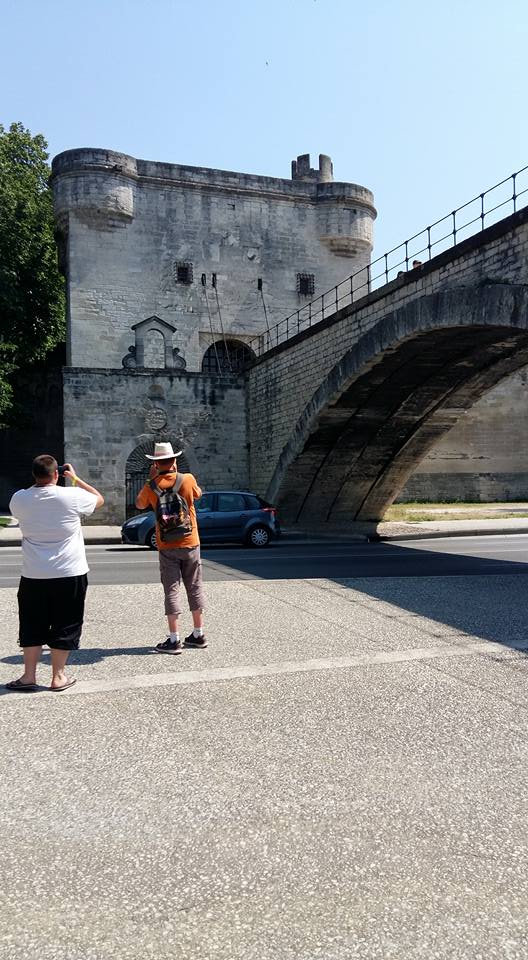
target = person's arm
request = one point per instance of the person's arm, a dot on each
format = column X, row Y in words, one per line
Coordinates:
column 142, row 499
column 196, row 490
column 12, row 506
column 77, row 482
column 146, row 497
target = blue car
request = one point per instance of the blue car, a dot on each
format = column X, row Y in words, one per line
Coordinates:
column 224, row 516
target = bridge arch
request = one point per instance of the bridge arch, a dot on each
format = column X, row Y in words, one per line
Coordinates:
column 392, row 396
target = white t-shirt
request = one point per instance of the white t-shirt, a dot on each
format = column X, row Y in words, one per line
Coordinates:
column 52, row 540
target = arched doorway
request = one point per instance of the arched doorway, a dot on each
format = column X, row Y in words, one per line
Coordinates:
column 227, row 356
column 137, row 470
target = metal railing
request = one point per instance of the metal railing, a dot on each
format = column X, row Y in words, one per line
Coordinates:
column 438, row 236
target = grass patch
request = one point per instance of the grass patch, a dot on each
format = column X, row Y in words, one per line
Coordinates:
column 418, row 512
column 4, row 522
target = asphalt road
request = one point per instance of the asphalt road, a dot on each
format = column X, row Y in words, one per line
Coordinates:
column 294, row 560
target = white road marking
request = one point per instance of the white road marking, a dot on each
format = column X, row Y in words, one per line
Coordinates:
column 186, row 677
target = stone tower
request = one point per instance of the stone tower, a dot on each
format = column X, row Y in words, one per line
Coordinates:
column 209, row 252
column 172, row 271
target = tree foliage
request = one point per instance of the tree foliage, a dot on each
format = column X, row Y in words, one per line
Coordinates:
column 32, row 314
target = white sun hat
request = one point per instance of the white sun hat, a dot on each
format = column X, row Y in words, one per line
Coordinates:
column 164, row 451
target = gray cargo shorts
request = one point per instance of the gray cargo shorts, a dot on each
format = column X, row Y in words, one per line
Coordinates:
column 177, row 564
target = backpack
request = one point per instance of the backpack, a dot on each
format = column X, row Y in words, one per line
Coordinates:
column 172, row 512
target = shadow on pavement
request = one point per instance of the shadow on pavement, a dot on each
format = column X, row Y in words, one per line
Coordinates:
column 89, row 655
column 414, row 581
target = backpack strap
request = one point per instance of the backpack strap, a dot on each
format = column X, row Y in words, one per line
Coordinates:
column 176, row 485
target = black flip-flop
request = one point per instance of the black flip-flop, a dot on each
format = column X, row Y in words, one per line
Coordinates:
column 21, row 687
column 64, row 686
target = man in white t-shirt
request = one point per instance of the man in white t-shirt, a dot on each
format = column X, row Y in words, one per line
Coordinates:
column 53, row 584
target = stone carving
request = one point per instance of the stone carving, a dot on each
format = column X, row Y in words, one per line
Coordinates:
column 129, row 361
column 178, row 362
column 183, row 426
column 154, row 325
column 155, row 419
column 188, row 428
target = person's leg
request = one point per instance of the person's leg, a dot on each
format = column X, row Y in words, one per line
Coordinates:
column 67, row 598
column 192, row 578
column 31, row 658
column 33, row 627
column 59, row 659
column 170, row 575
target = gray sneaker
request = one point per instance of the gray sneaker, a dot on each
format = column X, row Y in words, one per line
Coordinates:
column 168, row 646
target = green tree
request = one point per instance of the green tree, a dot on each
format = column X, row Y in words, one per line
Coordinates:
column 32, row 314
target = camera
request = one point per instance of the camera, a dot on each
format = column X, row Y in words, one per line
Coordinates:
column 61, row 482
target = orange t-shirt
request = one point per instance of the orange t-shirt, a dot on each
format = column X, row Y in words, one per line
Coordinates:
column 189, row 490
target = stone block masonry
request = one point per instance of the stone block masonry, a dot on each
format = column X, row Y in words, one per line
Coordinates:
column 287, row 401
column 113, row 416
column 484, row 457
column 138, row 238
column 166, row 266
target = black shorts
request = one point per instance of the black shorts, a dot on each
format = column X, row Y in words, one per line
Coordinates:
column 51, row 612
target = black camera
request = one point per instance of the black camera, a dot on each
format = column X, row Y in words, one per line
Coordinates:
column 61, row 482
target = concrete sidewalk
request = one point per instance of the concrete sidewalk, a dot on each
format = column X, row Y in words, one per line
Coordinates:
column 354, row 792
column 10, row 536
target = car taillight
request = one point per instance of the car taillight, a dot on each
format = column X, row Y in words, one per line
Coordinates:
column 270, row 510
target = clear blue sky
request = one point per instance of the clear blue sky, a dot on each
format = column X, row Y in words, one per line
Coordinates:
column 422, row 102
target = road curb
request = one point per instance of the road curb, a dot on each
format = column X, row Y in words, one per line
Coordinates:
column 91, row 539
column 439, row 534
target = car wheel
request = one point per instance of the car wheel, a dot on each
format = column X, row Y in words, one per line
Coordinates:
column 151, row 540
column 258, row 537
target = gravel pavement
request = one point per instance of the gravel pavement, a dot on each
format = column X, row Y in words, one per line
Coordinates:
column 340, row 775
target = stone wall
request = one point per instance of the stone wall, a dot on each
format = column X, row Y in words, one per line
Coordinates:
column 284, row 381
column 110, row 413
column 129, row 227
column 485, row 456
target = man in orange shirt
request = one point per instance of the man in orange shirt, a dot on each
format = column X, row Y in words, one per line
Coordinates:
column 178, row 559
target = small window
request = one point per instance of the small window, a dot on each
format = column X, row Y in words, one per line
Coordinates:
column 205, row 502
column 253, row 503
column 231, row 502
column 183, row 273
column 305, row 284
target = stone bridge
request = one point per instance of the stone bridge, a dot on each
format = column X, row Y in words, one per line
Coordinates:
column 341, row 414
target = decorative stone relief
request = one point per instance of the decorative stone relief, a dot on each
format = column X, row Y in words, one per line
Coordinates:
column 178, row 362
column 154, row 326
column 129, row 361
column 155, row 419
